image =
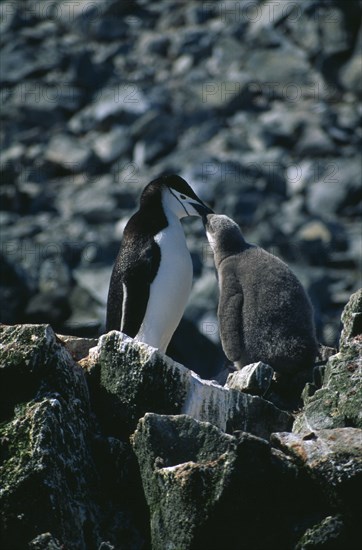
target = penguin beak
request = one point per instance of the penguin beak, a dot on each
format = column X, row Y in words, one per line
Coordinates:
column 206, row 218
column 201, row 208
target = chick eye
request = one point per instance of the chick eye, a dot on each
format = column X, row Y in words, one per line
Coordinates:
column 183, row 197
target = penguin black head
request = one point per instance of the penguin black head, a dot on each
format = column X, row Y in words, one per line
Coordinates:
column 176, row 196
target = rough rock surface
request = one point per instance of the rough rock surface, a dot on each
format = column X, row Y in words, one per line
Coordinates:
column 203, row 486
column 58, row 474
column 333, row 458
column 127, row 449
column 135, row 378
column 255, row 378
column 207, row 489
column 263, row 102
column 338, row 402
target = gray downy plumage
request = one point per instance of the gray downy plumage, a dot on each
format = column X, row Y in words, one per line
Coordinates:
column 264, row 313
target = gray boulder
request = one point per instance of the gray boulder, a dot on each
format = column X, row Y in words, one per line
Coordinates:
column 135, row 378
column 255, row 378
column 70, row 478
column 338, row 403
column 207, row 489
column 67, row 152
column 319, row 451
column 333, row 460
column 55, row 468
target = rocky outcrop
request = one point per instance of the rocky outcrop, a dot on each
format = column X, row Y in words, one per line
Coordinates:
column 263, row 101
column 128, row 449
column 338, row 403
column 132, row 378
column 208, row 489
column 58, row 474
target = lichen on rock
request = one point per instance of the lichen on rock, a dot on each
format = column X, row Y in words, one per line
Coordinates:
column 203, row 486
column 135, row 379
column 129, row 449
column 52, row 459
column 338, row 403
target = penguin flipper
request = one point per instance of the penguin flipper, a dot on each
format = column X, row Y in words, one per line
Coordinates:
column 137, row 278
column 230, row 320
column 114, row 301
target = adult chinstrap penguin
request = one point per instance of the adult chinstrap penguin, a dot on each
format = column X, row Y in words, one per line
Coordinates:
column 152, row 276
column 264, row 313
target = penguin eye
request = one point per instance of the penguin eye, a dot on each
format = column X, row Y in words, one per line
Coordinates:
column 183, row 197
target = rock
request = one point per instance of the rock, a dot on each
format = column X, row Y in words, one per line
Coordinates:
column 318, row 452
column 194, row 475
column 314, row 240
column 156, row 141
column 192, row 42
column 197, row 15
column 113, row 102
column 254, row 379
column 338, row 403
column 125, row 369
column 285, row 72
column 347, row 116
column 63, row 449
column 54, row 274
column 94, row 205
column 329, row 533
column 223, row 55
column 91, row 202
column 338, row 191
column 352, row 321
column 86, row 73
column 269, row 15
column 10, row 158
column 315, row 142
column 303, row 26
column 351, row 75
column 158, row 45
column 244, row 211
column 34, row 98
column 51, row 305
column 77, row 347
column 53, row 462
column 66, row 152
column 112, row 145
column 95, row 281
column 334, row 35
column 45, row 542
column 281, row 125
column 232, row 96
column 86, row 314
column 19, row 60
column 109, row 28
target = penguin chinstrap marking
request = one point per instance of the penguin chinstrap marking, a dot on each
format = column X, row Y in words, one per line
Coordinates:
column 264, row 313
column 152, row 276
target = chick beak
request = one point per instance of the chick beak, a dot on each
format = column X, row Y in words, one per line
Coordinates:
column 202, row 209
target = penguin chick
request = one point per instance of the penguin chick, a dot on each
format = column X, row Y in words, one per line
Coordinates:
column 152, row 276
column 264, row 313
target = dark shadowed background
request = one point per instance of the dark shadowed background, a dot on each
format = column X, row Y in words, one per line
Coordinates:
column 256, row 104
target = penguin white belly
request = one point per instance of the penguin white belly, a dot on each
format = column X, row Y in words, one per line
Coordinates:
column 170, row 289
